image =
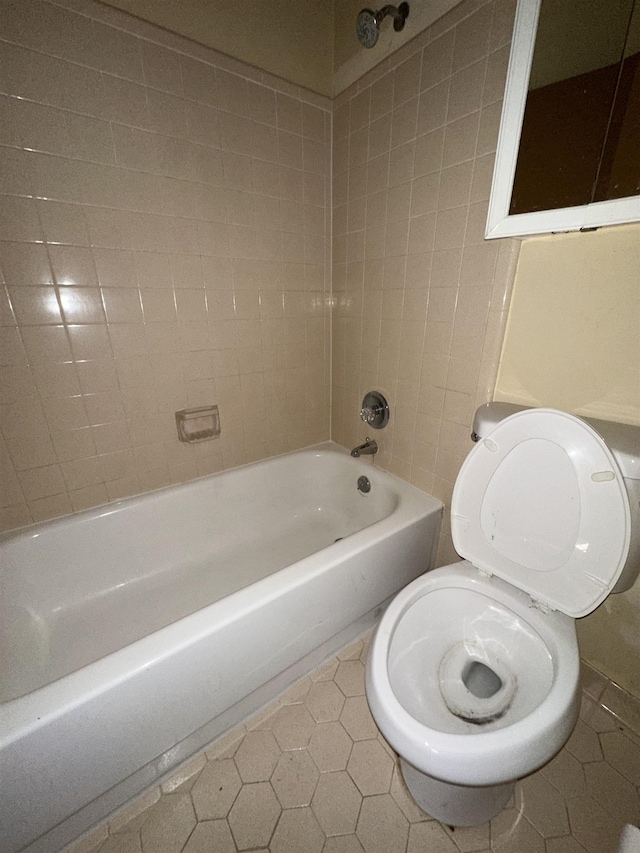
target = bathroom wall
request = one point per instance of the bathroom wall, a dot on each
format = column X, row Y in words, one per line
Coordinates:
column 351, row 61
column 574, row 325
column 610, row 640
column 573, row 343
column 163, row 222
column 291, row 39
column 420, row 298
column 311, row 43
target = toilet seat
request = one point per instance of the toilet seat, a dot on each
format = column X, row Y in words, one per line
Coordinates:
column 541, row 503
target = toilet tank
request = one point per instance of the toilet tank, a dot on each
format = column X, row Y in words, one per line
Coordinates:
column 624, row 442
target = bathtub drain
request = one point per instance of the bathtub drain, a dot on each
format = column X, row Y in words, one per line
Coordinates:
column 364, row 484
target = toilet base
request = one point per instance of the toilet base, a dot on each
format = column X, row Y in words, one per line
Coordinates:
column 455, row 805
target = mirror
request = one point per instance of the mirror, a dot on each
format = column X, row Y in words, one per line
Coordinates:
column 567, row 156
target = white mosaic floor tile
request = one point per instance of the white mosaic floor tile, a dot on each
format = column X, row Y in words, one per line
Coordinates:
column 312, row 774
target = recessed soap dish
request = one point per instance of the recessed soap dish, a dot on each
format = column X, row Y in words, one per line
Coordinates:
column 199, row 424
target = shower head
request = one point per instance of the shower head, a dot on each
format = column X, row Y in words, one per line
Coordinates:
column 368, row 22
column 367, row 28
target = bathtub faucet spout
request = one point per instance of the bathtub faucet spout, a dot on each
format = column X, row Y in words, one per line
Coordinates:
column 369, row 447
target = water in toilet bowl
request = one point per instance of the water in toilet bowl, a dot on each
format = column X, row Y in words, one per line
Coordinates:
column 476, row 685
column 432, row 656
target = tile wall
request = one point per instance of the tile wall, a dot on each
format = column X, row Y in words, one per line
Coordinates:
column 163, row 228
column 163, row 224
column 420, row 298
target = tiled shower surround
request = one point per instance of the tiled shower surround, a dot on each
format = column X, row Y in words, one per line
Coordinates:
column 420, row 298
column 164, row 221
column 165, row 242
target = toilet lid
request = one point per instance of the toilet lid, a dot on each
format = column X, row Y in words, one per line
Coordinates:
column 541, row 503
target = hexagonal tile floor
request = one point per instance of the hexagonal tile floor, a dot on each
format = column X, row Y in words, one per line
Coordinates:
column 312, row 774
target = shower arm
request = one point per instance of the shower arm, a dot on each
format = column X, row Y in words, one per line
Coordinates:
column 399, row 13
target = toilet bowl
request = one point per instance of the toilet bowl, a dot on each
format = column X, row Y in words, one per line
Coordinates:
column 476, row 617
column 473, row 671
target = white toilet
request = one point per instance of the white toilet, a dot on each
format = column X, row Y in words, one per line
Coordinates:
column 473, row 671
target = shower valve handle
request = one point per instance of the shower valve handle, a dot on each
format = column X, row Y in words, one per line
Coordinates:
column 369, row 413
column 375, row 410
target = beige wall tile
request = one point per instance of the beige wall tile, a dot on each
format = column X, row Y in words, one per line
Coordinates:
column 430, row 343
column 466, row 90
column 211, row 263
column 49, row 507
column 437, row 60
column 472, row 37
column 54, row 379
column 170, row 235
column 433, row 106
column 73, row 265
column 63, row 223
column 81, row 305
column 25, row 264
column 19, row 220
column 35, row 306
column 40, row 127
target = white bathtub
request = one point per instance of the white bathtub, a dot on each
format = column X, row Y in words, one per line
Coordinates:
column 134, row 634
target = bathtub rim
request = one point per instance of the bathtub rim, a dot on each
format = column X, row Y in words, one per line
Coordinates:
column 33, row 710
column 330, row 446
column 111, row 506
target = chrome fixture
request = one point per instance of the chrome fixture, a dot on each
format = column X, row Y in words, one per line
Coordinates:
column 369, row 447
column 199, row 424
column 364, row 485
column 375, row 410
column 368, row 22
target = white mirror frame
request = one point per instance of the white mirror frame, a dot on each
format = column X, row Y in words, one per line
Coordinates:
column 499, row 222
